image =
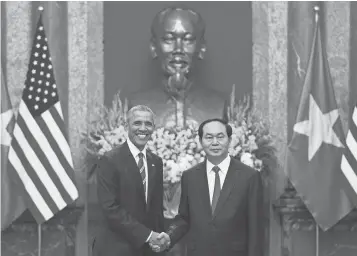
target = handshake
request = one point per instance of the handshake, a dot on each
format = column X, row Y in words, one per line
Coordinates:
column 159, row 242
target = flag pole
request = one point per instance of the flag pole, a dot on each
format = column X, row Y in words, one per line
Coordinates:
column 39, row 232
column 39, row 227
column 317, row 249
column 316, row 9
column 317, row 253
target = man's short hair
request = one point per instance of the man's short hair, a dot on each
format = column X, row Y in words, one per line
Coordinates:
column 228, row 127
column 139, row 108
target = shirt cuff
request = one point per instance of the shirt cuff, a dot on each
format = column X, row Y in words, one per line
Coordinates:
column 147, row 240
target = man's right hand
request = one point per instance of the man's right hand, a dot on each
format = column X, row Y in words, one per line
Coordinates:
column 159, row 242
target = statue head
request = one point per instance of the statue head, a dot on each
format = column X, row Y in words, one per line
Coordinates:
column 177, row 39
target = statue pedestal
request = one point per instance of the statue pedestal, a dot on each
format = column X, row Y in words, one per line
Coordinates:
column 58, row 235
column 298, row 225
column 201, row 104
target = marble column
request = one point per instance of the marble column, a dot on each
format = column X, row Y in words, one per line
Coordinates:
column 269, row 94
column 335, row 17
column 96, row 97
column 301, row 27
column 78, row 78
column 337, row 20
column 353, row 56
column 3, row 38
column 260, row 88
column 18, row 46
column 85, row 67
column 260, row 56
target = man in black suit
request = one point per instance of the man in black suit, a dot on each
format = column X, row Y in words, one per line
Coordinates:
column 221, row 201
column 130, row 192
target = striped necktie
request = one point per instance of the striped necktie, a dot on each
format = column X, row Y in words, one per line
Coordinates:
column 142, row 170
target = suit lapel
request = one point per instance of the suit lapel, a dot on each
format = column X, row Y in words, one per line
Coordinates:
column 202, row 185
column 228, row 185
column 151, row 175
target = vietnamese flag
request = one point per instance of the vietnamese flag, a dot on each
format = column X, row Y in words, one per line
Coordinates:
column 12, row 204
column 315, row 150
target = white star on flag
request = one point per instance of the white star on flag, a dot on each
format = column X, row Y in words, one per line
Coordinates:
column 5, row 120
column 319, row 128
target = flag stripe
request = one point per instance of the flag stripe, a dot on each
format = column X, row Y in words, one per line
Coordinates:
column 30, row 204
column 354, row 115
column 349, row 173
column 38, row 167
column 55, row 112
column 28, row 182
column 353, row 125
column 349, row 159
column 35, row 179
column 351, row 144
column 352, row 161
column 51, row 137
column 48, row 151
column 44, row 161
column 52, row 122
column 59, row 110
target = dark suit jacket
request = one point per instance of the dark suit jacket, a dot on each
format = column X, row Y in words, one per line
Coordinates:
column 235, row 228
column 128, row 218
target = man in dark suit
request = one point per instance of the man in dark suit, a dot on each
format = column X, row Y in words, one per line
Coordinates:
column 130, row 192
column 221, row 201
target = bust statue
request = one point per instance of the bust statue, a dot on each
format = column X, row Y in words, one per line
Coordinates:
column 178, row 44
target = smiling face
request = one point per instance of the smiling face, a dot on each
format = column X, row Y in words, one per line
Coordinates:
column 177, row 40
column 140, row 126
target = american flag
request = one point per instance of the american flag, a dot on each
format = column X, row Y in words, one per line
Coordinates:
column 349, row 158
column 39, row 156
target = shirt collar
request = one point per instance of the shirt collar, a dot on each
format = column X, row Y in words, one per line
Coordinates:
column 223, row 166
column 134, row 150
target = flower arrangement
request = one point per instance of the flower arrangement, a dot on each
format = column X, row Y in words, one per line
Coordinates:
column 180, row 148
column 105, row 131
column 251, row 141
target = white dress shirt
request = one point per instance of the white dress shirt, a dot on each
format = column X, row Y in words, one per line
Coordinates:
column 135, row 152
column 211, row 175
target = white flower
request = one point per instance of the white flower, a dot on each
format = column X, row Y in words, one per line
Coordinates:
column 173, row 171
column 247, row 158
column 101, row 151
column 192, row 145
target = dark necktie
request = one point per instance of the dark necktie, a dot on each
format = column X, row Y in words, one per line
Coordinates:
column 217, row 188
column 142, row 170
